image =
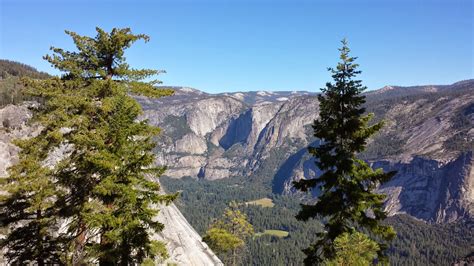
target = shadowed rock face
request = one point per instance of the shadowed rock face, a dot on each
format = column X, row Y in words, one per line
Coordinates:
column 431, row 191
column 428, row 132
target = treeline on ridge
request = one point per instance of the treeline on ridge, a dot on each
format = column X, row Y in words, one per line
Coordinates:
column 16, row 69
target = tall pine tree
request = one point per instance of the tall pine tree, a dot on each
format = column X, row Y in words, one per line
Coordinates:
column 104, row 190
column 347, row 201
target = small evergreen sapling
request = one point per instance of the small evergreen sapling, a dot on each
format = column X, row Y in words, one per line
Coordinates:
column 228, row 234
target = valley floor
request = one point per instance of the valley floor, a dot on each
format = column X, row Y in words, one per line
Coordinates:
column 417, row 243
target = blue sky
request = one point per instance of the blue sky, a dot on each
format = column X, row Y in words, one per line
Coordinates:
column 224, row 45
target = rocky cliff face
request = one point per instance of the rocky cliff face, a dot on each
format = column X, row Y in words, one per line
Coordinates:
column 12, row 126
column 220, row 136
column 430, row 190
column 428, row 138
column 182, row 241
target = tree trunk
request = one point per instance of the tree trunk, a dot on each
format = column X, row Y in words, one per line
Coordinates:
column 80, row 240
column 39, row 239
column 125, row 254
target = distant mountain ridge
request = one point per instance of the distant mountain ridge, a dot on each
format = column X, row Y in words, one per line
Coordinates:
column 268, row 96
column 265, row 97
column 17, row 69
column 248, row 97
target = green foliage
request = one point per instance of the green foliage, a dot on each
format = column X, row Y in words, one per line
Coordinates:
column 102, row 57
column 103, row 186
column 222, row 241
column 353, row 249
column 419, row 243
column 227, row 235
column 347, row 183
column 235, row 222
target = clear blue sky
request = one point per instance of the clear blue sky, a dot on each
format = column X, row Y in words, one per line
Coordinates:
column 259, row 45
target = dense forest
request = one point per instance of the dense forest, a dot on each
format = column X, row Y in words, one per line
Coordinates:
column 417, row 243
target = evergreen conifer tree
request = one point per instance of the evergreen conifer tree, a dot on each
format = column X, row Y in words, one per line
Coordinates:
column 354, row 249
column 103, row 188
column 347, row 199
